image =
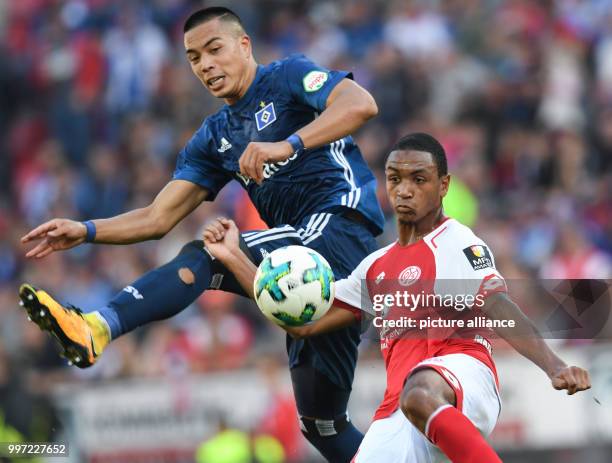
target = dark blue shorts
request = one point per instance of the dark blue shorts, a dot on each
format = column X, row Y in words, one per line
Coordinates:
column 344, row 243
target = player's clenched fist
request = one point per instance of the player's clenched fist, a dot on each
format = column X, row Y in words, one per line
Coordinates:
column 56, row 235
column 257, row 153
column 221, row 237
column 574, row 379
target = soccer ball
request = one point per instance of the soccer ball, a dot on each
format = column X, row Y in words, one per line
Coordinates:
column 294, row 285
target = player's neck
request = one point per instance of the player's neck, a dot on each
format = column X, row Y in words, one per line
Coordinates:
column 410, row 233
column 249, row 77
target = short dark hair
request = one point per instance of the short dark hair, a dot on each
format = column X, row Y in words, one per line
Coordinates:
column 420, row 141
column 207, row 14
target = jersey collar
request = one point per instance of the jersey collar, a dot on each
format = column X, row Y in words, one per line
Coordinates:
column 248, row 96
column 428, row 236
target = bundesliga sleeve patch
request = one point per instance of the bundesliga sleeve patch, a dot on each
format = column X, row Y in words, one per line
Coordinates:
column 314, row 80
column 479, row 257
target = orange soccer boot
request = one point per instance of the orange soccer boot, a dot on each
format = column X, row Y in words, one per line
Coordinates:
column 82, row 336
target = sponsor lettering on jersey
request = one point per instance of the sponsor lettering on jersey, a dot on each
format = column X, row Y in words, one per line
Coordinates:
column 265, row 116
column 270, row 169
column 314, row 80
column 243, row 178
column 479, row 257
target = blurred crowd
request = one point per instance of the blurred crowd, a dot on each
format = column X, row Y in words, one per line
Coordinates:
column 97, row 99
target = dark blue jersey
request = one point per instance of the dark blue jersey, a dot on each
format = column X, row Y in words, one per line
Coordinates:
column 285, row 96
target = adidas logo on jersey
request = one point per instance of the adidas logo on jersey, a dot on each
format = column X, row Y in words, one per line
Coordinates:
column 225, row 145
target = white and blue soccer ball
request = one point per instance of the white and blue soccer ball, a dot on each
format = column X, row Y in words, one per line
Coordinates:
column 294, row 285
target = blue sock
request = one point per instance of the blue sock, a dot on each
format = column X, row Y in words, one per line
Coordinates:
column 340, row 448
column 160, row 293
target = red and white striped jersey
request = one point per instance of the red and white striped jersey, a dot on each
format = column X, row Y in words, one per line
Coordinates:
column 440, row 282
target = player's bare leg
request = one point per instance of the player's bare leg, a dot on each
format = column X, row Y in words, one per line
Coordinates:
column 429, row 403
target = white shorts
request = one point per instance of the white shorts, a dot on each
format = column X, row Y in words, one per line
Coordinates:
column 396, row 440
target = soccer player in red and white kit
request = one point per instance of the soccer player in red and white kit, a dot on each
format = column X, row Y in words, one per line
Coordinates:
column 442, row 388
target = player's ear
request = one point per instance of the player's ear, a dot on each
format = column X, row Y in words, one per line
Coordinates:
column 444, row 183
column 245, row 46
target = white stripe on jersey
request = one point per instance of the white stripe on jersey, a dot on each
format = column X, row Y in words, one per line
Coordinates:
column 351, row 199
column 315, row 226
column 257, row 235
column 337, row 151
column 313, row 218
column 319, row 231
column 342, row 157
column 357, row 197
column 274, row 237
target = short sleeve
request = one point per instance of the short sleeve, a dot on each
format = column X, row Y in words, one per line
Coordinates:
column 348, row 292
column 309, row 83
column 196, row 165
column 477, row 267
column 353, row 291
column 473, row 274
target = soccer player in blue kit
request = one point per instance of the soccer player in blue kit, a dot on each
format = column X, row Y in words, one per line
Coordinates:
column 284, row 134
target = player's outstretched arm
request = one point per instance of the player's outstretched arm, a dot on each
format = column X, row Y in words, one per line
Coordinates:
column 527, row 340
column 171, row 205
column 336, row 318
column 348, row 107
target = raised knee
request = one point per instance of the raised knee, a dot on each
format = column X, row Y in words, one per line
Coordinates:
column 190, row 255
column 186, row 276
column 417, row 402
column 195, row 245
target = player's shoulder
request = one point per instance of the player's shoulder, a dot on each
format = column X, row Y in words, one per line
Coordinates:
column 291, row 58
column 295, row 61
column 458, row 250
column 452, row 234
column 279, row 64
column 370, row 259
column 214, row 122
column 206, row 137
column 276, row 71
column 205, row 131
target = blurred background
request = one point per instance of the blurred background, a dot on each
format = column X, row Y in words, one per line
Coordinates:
column 97, row 99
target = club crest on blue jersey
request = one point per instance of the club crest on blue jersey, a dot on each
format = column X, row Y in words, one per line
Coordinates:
column 265, row 116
